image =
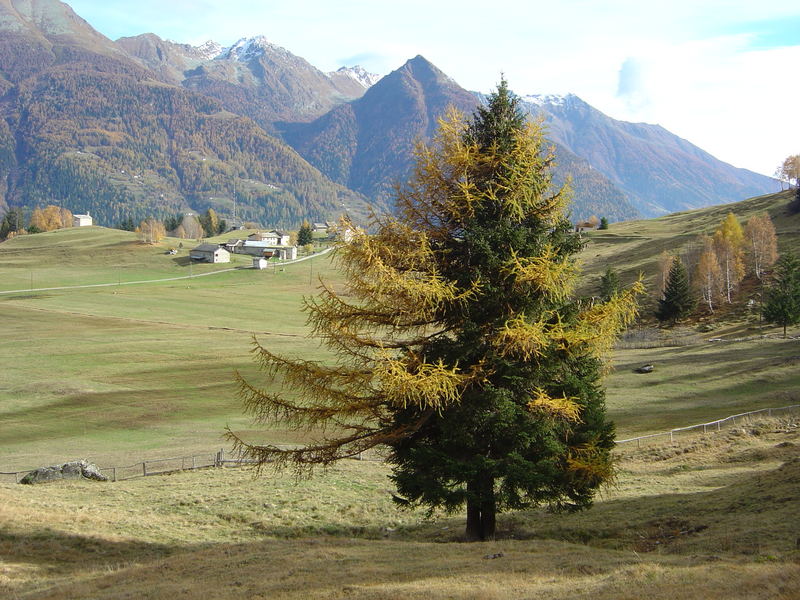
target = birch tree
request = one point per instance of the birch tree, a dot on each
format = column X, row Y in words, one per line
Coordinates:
column 762, row 243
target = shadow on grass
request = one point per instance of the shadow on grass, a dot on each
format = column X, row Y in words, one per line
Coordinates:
column 747, row 519
column 48, row 547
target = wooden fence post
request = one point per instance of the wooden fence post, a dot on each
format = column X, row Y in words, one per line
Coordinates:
column 113, row 473
column 144, row 469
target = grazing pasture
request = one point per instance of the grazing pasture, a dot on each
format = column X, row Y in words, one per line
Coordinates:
column 122, row 373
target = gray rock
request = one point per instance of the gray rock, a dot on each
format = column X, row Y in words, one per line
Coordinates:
column 77, row 469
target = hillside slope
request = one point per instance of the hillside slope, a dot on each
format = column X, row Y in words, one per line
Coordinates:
column 633, row 247
column 659, row 172
column 87, row 127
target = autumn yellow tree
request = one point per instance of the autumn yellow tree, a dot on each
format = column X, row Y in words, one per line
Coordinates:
column 37, row 222
column 730, row 244
column 762, row 243
column 789, row 170
column 708, row 275
column 151, row 231
column 460, row 348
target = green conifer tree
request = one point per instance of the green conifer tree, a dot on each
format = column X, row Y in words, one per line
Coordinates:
column 304, row 235
column 678, row 301
column 460, row 347
column 609, row 284
column 782, row 305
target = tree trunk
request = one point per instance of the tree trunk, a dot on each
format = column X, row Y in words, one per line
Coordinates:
column 473, row 532
column 481, row 509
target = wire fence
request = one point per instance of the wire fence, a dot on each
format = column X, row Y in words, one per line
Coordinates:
column 162, row 466
column 712, row 426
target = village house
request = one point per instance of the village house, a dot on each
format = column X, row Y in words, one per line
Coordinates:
column 82, row 220
column 321, row 227
column 211, row 253
column 267, row 250
column 234, row 246
column 273, row 238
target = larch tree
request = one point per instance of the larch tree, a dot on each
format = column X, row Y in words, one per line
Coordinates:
column 762, row 242
column 708, row 274
column 459, row 348
column 730, row 243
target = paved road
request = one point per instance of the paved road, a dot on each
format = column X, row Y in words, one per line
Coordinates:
column 118, row 283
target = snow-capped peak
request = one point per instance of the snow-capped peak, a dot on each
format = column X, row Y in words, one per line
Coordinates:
column 248, row 48
column 209, row 50
column 358, row 74
column 548, row 99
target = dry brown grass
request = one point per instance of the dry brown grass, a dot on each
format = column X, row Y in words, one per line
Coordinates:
column 711, row 517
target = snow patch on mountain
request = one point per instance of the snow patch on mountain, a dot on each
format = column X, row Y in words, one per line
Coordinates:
column 210, row 50
column 358, row 74
column 547, row 99
column 247, row 49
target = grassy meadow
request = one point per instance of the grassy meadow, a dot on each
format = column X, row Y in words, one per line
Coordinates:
column 122, row 373
column 633, row 247
column 712, row 517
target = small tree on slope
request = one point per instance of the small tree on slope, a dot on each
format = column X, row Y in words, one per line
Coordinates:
column 304, row 235
column 459, row 346
column 782, row 305
column 678, row 301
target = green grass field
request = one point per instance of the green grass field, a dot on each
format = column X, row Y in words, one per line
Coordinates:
column 124, row 371
column 128, row 372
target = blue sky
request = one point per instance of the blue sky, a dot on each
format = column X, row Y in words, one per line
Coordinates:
column 720, row 73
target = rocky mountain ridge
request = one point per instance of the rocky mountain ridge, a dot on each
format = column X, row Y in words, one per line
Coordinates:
column 81, row 113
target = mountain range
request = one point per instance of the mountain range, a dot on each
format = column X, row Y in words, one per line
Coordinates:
column 143, row 126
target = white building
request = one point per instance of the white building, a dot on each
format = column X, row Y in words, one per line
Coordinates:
column 82, row 220
column 273, row 238
column 211, row 253
column 268, row 250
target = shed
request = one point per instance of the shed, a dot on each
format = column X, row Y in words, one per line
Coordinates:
column 260, row 263
column 211, row 253
column 82, row 220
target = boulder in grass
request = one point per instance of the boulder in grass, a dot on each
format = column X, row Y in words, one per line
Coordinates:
column 77, row 469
